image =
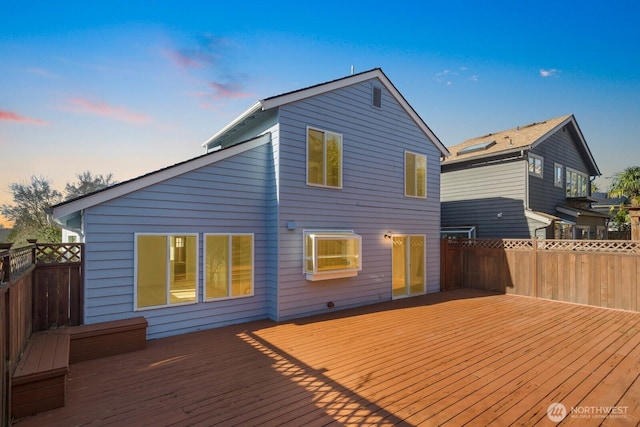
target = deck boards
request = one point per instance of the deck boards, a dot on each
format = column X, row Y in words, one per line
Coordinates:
column 457, row 357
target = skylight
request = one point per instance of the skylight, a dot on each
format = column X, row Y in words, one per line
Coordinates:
column 477, row 147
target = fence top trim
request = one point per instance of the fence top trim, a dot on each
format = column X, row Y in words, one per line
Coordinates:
column 616, row 246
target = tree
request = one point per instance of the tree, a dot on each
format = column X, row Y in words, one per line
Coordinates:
column 627, row 184
column 87, row 183
column 27, row 211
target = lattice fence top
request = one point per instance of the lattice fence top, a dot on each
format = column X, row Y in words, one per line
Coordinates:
column 58, row 253
column 617, row 246
column 491, row 243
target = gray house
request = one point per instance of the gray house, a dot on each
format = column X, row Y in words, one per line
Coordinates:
column 320, row 199
column 532, row 180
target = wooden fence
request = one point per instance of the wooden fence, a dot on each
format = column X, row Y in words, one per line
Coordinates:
column 602, row 273
column 40, row 289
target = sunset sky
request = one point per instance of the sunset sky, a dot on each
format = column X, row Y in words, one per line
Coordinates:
column 128, row 87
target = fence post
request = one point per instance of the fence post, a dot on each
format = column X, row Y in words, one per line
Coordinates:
column 33, row 250
column 534, row 262
column 5, row 274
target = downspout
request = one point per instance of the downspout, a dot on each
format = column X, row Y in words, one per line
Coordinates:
column 55, row 223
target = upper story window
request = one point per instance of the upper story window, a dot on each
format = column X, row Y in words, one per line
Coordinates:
column 536, row 165
column 576, row 183
column 558, row 175
column 331, row 254
column 166, row 269
column 415, row 175
column 324, row 158
column 377, row 97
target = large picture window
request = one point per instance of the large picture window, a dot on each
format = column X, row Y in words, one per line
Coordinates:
column 415, row 175
column 228, row 269
column 166, row 269
column 331, row 254
column 324, row 158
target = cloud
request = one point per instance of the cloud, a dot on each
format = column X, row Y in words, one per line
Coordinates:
column 228, row 91
column 549, row 73
column 448, row 77
column 210, row 50
column 13, row 117
column 100, row 108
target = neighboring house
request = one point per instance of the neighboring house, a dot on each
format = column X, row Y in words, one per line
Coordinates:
column 530, row 181
column 319, row 199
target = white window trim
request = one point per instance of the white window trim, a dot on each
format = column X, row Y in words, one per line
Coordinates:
column 557, row 166
column 426, row 175
column 311, row 184
column 229, row 261
column 533, row 172
column 585, row 176
column 333, row 274
column 167, row 271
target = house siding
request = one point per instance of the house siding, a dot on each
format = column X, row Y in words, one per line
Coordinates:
column 558, row 148
column 235, row 195
column 370, row 203
column 476, row 195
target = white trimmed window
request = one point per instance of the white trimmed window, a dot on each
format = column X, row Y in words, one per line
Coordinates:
column 577, row 183
column 166, row 270
column 324, row 158
column 228, row 266
column 558, row 175
column 331, row 254
column 415, row 175
column 536, row 165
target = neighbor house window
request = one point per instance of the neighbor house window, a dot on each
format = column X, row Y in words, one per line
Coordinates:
column 331, row 254
column 583, row 232
column 558, row 174
column 536, row 165
column 563, row 230
column 166, row 269
column 415, row 175
column 228, row 265
column 576, row 184
column 324, row 158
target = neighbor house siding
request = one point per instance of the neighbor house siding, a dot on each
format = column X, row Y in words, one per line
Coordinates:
column 235, row 195
column 477, row 195
column 370, row 203
column 558, row 148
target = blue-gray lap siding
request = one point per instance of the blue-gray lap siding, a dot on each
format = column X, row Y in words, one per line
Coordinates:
column 477, row 195
column 235, row 195
column 558, row 148
column 370, row 203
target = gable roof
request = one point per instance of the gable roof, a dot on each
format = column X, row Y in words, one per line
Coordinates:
column 276, row 101
column 520, row 138
column 70, row 207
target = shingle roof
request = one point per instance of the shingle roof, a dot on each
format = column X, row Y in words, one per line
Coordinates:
column 513, row 139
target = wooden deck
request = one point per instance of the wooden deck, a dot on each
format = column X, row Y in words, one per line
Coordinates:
column 454, row 358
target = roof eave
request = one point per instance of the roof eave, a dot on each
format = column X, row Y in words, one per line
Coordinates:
column 257, row 106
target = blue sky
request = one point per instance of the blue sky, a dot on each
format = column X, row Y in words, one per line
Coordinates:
column 128, row 87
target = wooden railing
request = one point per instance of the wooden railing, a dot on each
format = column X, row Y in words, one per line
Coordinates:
column 40, row 288
column 602, row 273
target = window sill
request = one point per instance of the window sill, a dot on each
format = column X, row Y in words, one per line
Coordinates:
column 328, row 275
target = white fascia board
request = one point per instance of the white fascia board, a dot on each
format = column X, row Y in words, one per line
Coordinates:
column 278, row 101
column 252, row 110
column 156, row 177
column 538, row 217
column 567, row 211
